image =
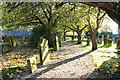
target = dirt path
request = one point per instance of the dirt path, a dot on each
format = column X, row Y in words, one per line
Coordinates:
column 71, row 61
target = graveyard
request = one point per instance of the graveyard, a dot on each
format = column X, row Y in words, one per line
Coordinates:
column 59, row 41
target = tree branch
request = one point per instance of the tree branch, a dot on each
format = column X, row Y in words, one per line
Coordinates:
column 39, row 20
column 45, row 13
column 83, row 28
column 101, row 5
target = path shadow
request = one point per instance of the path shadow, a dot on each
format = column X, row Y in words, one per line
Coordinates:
column 68, row 43
column 107, row 70
column 52, row 66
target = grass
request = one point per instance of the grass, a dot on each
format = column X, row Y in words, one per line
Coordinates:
column 75, row 42
column 104, row 46
column 111, row 66
column 106, row 60
column 72, row 41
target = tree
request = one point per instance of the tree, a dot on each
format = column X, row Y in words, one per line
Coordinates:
column 95, row 19
column 42, row 14
column 75, row 21
column 111, row 8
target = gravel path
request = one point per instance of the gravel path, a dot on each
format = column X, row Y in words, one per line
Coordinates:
column 71, row 61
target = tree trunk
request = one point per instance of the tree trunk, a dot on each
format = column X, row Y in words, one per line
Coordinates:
column 51, row 41
column 94, row 42
column 88, row 41
column 64, row 36
column 79, row 38
column 73, row 35
column 119, row 31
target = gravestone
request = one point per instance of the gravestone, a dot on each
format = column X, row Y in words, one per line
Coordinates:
column 56, row 43
column 103, row 39
column 108, row 36
column 113, row 38
column 107, row 42
column 99, row 41
column 118, row 44
column 43, row 51
column 32, row 64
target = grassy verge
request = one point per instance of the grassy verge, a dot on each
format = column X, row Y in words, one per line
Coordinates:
column 107, row 60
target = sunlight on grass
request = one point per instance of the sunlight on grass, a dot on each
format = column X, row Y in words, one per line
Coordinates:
column 103, row 54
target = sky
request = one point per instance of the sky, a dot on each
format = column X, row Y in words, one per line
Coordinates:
column 113, row 25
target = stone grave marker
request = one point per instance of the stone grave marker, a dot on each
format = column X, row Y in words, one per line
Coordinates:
column 107, row 42
column 118, row 44
column 56, row 43
column 32, row 64
column 113, row 38
column 99, row 41
column 108, row 36
column 103, row 39
column 43, row 51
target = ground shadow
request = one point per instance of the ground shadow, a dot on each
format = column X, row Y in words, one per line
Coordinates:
column 58, row 64
column 109, row 69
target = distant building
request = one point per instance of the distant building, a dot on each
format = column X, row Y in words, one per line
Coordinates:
column 18, row 32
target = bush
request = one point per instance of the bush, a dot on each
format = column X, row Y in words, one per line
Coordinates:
column 37, row 34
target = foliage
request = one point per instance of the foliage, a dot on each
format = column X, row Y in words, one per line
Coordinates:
column 17, row 14
column 37, row 32
column 106, row 33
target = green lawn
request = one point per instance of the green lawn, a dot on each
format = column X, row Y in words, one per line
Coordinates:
column 107, row 60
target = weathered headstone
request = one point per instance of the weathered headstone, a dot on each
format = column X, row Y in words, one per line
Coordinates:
column 107, row 42
column 56, row 43
column 99, row 41
column 32, row 64
column 43, row 51
column 103, row 38
column 113, row 38
column 118, row 44
column 108, row 36
column 116, row 38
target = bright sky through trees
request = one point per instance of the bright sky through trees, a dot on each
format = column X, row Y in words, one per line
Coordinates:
column 113, row 25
